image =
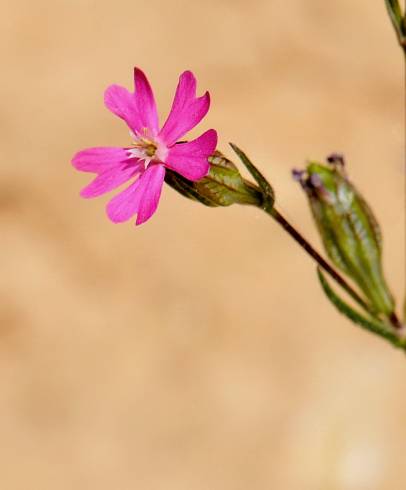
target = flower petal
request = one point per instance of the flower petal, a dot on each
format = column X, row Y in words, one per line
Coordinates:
column 110, row 179
column 145, row 101
column 122, row 103
column 191, row 159
column 138, row 110
column 153, row 179
column 123, row 206
column 99, row 159
column 141, row 197
column 187, row 110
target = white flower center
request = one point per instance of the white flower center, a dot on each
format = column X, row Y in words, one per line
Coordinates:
column 147, row 147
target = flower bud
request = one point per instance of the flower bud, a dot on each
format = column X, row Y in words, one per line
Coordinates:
column 223, row 185
column 348, row 228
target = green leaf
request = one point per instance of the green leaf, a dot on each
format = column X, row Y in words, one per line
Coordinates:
column 398, row 21
column 269, row 194
column 373, row 326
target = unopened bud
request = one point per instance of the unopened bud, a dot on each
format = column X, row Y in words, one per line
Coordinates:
column 348, row 228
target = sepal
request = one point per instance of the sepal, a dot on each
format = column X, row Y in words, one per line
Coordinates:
column 223, row 185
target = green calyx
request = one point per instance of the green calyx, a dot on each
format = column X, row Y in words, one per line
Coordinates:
column 350, row 233
column 223, row 185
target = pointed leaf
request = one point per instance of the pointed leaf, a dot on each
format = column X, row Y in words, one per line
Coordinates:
column 373, row 326
column 266, row 187
column 398, row 21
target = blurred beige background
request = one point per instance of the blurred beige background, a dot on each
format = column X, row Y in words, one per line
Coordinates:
column 197, row 351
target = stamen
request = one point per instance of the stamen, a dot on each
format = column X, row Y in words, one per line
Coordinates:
column 145, row 146
column 150, row 150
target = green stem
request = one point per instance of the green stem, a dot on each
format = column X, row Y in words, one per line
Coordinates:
column 276, row 215
column 398, row 21
column 398, row 18
column 298, row 237
column 267, row 205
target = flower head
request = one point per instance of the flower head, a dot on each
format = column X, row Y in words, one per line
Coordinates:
column 152, row 149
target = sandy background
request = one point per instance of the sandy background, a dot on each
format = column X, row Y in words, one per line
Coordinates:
column 195, row 352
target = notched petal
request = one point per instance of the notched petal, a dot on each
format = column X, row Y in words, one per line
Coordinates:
column 145, row 101
column 187, row 110
column 99, row 159
column 191, row 159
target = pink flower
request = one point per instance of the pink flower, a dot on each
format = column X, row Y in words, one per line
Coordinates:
column 152, row 150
